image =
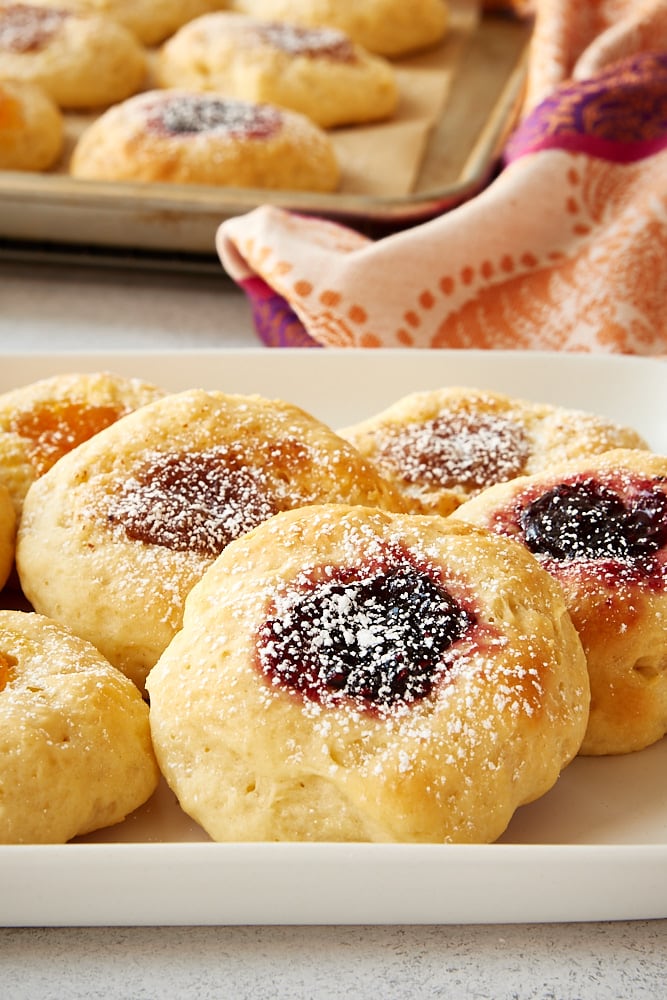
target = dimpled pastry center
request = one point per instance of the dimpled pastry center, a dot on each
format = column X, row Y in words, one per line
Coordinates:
column 314, row 42
column 196, row 502
column 473, row 449
column 193, row 114
column 588, row 520
column 376, row 638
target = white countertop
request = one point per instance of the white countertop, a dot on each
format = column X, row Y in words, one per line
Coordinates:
column 69, row 308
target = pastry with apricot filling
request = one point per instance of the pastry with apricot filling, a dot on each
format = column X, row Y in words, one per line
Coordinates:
column 41, row 421
column 114, row 536
column 350, row 674
column 599, row 527
column 32, row 129
column 442, row 446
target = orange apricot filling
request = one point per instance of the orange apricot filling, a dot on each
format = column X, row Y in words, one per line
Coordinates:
column 6, row 664
column 53, row 429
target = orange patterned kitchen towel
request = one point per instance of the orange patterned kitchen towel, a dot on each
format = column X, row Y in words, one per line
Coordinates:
column 565, row 249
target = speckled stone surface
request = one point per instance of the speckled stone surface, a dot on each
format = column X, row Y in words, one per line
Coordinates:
column 614, row 961
column 71, row 308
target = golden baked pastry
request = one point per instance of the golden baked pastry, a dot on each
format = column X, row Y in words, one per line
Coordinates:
column 599, row 527
column 442, row 446
column 151, row 21
column 184, row 137
column 41, row 421
column 387, row 27
column 114, row 536
column 74, row 735
column 349, row 674
column 7, row 535
column 80, row 60
column 318, row 72
column 31, row 127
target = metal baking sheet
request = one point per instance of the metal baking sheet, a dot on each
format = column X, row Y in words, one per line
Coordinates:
column 487, row 64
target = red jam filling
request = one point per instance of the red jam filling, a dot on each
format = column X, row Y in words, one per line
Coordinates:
column 197, row 502
column 375, row 634
column 467, row 449
column 192, row 114
column 28, row 29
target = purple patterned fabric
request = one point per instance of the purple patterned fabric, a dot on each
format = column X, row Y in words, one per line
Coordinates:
column 620, row 114
column 275, row 321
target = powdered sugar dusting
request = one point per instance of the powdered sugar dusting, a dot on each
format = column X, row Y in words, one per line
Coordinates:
column 327, row 43
column 375, row 633
column 461, row 449
column 24, row 28
column 186, row 114
column 192, row 501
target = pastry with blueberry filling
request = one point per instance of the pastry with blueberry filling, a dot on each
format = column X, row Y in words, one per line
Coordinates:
column 599, row 527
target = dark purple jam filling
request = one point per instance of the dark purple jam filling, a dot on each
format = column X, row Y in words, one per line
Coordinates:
column 588, row 520
column 190, row 114
column 374, row 635
column 197, row 502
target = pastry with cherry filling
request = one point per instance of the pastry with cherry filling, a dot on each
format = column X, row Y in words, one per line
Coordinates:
column 80, row 60
column 390, row 28
column 442, row 446
column 318, row 72
column 32, row 129
column 184, row 137
column 115, row 535
column 75, row 740
column 599, row 527
column 43, row 420
column 349, row 674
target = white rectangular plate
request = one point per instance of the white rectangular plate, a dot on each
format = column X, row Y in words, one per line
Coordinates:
column 593, row 848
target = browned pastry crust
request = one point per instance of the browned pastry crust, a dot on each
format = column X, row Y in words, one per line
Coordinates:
column 31, row 127
column 442, row 446
column 75, row 742
column 151, row 21
column 114, row 536
column 318, row 72
column 599, row 526
column 349, row 674
column 80, row 60
column 389, row 27
column 183, row 137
